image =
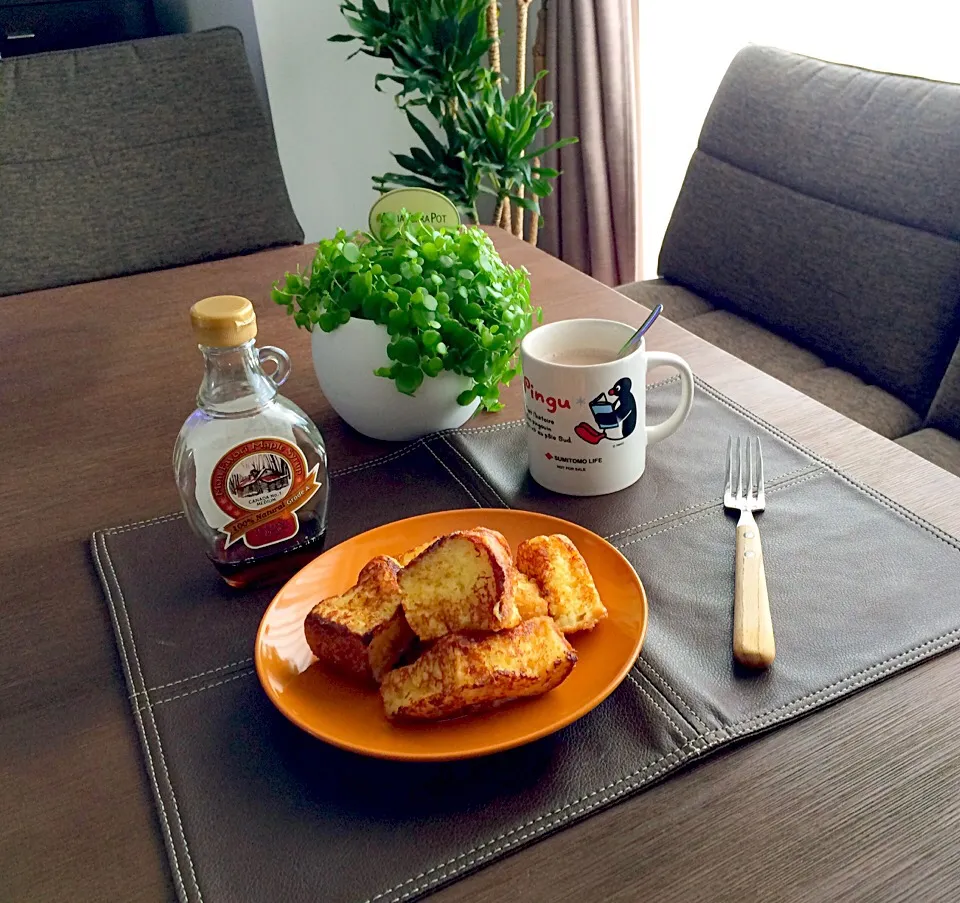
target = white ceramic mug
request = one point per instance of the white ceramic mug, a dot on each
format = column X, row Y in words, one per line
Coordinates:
column 586, row 422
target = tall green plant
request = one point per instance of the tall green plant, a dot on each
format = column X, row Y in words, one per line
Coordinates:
column 481, row 141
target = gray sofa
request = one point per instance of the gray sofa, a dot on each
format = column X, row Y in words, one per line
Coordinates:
column 132, row 157
column 817, row 236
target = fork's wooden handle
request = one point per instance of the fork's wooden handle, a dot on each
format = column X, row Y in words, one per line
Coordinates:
column 753, row 644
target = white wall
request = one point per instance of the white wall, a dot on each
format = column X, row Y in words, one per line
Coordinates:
column 334, row 131
column 686, row 46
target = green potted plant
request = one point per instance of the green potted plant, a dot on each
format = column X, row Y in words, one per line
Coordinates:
column 414, row 327
column 479, row 142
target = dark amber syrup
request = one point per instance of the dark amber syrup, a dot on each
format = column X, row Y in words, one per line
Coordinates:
column 266, row 570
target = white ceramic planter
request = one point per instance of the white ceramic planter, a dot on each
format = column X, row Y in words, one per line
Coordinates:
column 344, row 361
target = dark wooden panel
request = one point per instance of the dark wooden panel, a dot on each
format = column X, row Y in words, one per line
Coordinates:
column 42, row 26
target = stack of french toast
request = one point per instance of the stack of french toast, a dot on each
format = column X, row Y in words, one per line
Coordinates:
column 459, row 624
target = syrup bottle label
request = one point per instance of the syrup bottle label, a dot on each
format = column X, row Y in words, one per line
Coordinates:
column 257, row 487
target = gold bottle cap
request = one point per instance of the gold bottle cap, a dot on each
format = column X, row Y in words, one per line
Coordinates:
column 223, row 321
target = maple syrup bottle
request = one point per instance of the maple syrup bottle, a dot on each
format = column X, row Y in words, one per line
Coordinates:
column 251, row 467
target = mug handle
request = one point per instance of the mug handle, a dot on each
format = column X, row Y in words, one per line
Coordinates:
column 669, row 426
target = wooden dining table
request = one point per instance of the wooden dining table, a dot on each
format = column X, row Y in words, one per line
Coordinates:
column 859, row 801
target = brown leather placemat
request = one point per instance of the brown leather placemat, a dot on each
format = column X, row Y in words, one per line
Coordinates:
column 251, row 808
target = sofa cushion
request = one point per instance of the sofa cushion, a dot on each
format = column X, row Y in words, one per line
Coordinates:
column 935, row 446
column 804, row 370
column 679, row 303
column 764, row 349
column 945, row 411
column 851, row 396
column 824, row 202
column 136, row 156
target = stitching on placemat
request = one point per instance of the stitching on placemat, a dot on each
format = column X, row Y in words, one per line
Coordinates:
column 775, row 483
column 140, row 524
column 663, row 382
column 678, row 753
column 443, row 464
column 677, row 697
column 163, row 761
column 851, row 681
column 469, row 464
column 151, row 769
column 656, row 704
column 183, row 680
column 713, row 510
column 475, row 430
column 627, row 788
column 376, row 462
column 195, row 690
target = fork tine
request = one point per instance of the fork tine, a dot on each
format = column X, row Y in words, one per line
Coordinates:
column 728, row 486
column 752, row 464
column 760, row 458
column 740, row 468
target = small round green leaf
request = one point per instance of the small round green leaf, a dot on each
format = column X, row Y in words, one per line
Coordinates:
column 370, row 307
column 406, row 351
column 397, row 321
column 432, row 366
column 408, row 379
column 421, row 318
column 328, row 321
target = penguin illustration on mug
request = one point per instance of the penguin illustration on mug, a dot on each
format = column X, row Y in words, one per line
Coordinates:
column 614, row 419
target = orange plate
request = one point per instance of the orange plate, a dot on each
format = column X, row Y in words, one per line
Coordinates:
column 351, row 716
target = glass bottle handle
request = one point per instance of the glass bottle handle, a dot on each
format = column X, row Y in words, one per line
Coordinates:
column 281, row 363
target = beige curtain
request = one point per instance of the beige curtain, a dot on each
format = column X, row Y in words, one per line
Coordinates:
column 592, row 220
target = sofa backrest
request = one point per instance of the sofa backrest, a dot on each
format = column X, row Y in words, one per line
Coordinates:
column 824, row 201
column 136, row 156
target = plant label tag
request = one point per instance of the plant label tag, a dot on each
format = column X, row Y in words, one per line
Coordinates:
column 438, row 211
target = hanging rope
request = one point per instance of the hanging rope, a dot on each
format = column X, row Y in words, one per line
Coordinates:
column 493, row 32
column 539, row 64
column 502, row 216
column 523, row 17
column 498, row 216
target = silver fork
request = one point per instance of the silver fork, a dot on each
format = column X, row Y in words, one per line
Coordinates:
column 752, row 626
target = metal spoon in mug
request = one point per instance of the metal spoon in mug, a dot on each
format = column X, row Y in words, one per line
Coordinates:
column 634, row 340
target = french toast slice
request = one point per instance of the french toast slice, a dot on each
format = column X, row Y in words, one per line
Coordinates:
column 529, row 599
column 362, row 633
column 498, row 536
column 462, row 581
column 408, row 556
column 463, row 673
column 555, row 564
